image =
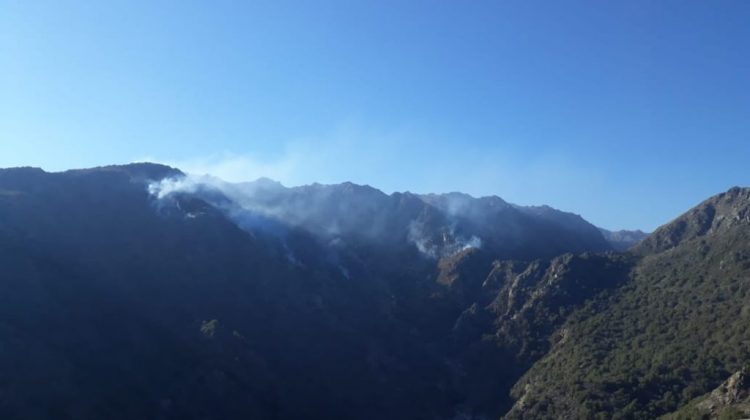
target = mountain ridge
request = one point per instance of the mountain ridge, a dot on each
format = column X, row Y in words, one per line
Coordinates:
column 214, row 300
column 244, row 295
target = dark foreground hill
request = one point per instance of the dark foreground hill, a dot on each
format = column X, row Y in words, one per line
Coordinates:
column 138, row 292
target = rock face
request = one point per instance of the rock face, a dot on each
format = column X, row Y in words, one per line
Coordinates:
column 730, row 400
column 734, row 393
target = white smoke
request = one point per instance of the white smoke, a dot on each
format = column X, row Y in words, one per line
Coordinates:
column 188, row 184
column 236, row 201
column 442, row 244
column 421, row 240
column 473, row 242
column 239, row 200
column 253, row 205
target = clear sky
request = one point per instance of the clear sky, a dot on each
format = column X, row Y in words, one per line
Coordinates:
column 627, row 113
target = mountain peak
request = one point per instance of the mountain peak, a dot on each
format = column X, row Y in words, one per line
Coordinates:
column 720, row 213
column 737, row 195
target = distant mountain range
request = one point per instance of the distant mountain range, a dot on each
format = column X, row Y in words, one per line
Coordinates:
column 138, row 291
column 621, row 240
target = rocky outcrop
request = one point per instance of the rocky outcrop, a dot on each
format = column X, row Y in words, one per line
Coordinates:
column 730, row 400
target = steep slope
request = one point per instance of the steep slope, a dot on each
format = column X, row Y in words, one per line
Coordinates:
column 675, row 330
column 512, row 317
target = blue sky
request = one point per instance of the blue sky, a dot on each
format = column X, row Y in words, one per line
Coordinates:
column 627, row 114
